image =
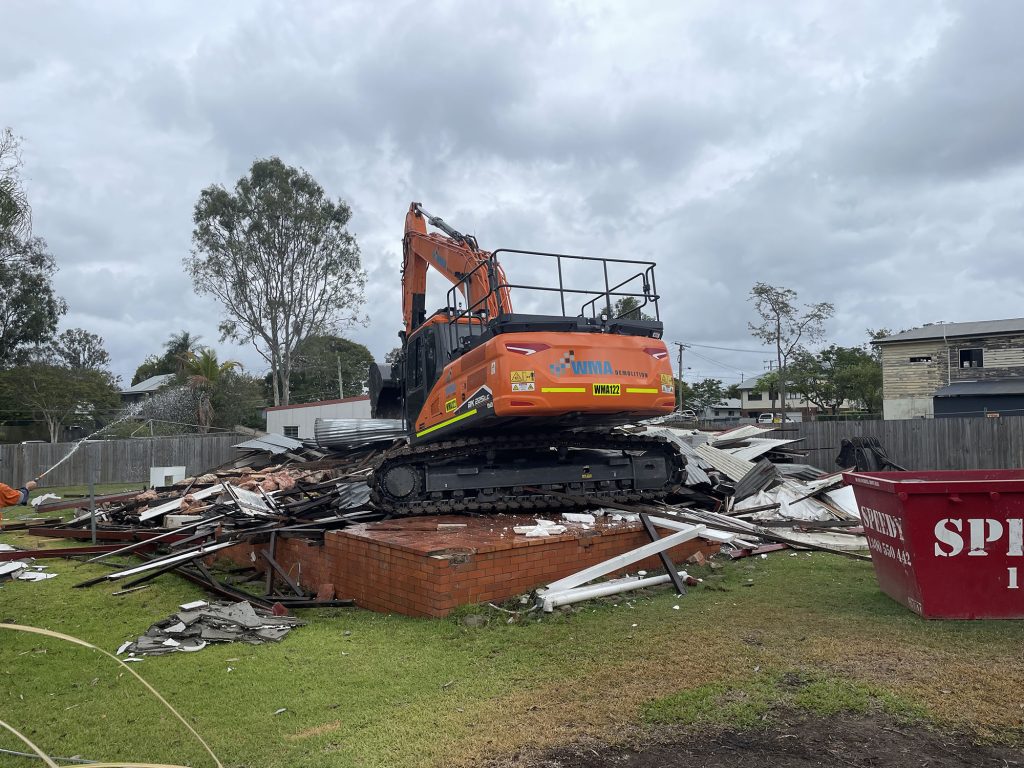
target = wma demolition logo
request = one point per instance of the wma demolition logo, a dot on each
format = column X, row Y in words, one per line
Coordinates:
column 579, row 367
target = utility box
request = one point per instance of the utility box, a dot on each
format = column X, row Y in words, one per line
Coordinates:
column 946, row 544
column 164, row 476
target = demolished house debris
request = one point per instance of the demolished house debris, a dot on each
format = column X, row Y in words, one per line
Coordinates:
column 199, row 623
column 745, row 489
column 23, row 571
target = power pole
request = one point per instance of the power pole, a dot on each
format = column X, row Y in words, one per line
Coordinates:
column 679, row 388
column 771, row 367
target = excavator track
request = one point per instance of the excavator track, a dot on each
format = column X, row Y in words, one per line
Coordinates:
column 580, row 463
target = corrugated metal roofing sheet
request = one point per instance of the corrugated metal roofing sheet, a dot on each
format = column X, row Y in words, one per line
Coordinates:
column 740, row 433
column 353, row 433
column 800, row 471
column 271, row 443
column 695, row 474
column 726, row 463
column 757, row 447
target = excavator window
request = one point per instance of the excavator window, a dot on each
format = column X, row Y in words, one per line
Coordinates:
column 414, row 390
column 414, row 373
column 429, row 357
column 423, row 367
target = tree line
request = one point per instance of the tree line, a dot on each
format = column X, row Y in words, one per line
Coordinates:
column 275, row 253
column 45, row 376
column 826, row 376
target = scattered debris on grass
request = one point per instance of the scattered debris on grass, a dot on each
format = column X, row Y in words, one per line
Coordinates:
column 24, row 571
column 198, row 624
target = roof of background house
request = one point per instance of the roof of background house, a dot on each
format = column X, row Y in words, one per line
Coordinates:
column 318, row 403
column 986, row 387
column 731, row 402
column 948, row 330
column 152, row 384
column 748, row 384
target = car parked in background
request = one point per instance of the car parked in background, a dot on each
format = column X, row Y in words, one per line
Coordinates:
column 772, row 418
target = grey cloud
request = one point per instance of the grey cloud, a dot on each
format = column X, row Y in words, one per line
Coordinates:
column 868, row 156
column 959, row 112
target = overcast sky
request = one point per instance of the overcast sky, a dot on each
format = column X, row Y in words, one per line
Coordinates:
column 869, row 154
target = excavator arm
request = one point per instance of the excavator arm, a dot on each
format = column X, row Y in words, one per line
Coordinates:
column 480, row 278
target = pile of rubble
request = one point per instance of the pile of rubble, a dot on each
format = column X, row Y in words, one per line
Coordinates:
column 200, row 623
column 277, row 487
column 22, row 570
column 744, row 487
column 758, row 487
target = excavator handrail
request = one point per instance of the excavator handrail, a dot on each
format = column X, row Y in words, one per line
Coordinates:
column 478, row 314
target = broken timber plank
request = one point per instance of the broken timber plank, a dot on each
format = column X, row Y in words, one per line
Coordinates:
column 282, row 573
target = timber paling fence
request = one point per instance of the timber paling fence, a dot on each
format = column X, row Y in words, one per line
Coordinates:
column 115, row 461
column 947, row 443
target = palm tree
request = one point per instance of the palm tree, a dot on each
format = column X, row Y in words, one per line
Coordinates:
column 204, row 372
column 179, row 347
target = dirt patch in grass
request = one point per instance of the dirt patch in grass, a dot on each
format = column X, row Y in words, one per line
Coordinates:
column 793, row 740
column 318, row 730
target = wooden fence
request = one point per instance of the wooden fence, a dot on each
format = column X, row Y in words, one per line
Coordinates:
column 949, row 443
column 115, row 461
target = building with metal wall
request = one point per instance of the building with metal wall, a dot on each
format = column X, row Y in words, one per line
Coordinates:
column 297, row 420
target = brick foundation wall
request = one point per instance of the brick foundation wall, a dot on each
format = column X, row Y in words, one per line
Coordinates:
column 401, row 568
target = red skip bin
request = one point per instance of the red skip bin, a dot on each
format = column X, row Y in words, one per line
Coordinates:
column 948, row 545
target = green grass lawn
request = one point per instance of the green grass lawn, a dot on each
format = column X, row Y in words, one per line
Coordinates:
column 67, row 491
column 364, row 689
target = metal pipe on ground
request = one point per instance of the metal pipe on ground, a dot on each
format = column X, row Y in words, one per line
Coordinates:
column 551, row 600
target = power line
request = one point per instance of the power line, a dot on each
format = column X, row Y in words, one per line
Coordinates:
column 724, row 349
column 718, row 362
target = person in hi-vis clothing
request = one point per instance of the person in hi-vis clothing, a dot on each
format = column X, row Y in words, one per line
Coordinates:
column 9, row 497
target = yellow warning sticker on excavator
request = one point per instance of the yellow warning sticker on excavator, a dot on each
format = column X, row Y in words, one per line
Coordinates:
column 608, row 389
column 450, row 405
column 521, row 376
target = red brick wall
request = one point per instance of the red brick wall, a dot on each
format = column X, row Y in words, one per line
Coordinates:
column 390, row 577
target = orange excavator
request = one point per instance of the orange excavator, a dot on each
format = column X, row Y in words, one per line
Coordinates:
column 501, row 407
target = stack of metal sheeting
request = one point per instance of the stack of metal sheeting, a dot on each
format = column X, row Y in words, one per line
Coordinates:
column 695, row 474
column 356, row 433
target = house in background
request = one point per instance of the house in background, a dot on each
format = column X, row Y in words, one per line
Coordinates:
column 146, row 389
column 754, row 402
column 727, row 410
column 953, row 369
column 298, row 420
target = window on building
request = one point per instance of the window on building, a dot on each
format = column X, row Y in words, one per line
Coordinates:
column 921, row 359
column 291, row 432
column 755, row 396
column 972, row 358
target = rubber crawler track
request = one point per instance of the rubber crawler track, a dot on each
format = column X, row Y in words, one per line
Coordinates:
column 422, row 455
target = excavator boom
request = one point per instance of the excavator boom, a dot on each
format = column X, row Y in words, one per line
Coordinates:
column 455, row 256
